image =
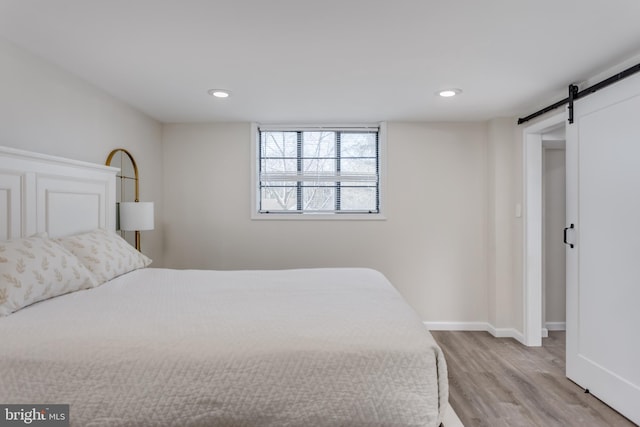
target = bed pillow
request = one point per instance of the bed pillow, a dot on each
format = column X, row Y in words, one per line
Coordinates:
column 104, row 253
column 36, row 268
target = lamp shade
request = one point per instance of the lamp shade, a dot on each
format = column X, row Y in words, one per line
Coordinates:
column 136, row 216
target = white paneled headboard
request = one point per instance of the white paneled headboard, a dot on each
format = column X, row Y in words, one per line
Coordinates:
column 42, row 193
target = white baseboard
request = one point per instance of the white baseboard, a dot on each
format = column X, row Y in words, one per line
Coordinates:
column 545, row 333
column 456, row 326
column 506, row 333
column 556, row 326
column 476, row 326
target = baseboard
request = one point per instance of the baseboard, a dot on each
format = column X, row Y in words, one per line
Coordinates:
column 556, row 326
column 456, row 326
column 506, row 333
column 545, row 333
column 476, row 326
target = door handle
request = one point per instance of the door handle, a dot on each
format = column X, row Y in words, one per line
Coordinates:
column 565, row 235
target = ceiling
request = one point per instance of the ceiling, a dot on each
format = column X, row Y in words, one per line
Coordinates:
column 337, row 61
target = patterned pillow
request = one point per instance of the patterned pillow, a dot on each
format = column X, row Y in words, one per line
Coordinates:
column 104, row 253
column 36, row 268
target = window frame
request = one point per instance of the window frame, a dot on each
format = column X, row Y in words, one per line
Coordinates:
column 296, row 215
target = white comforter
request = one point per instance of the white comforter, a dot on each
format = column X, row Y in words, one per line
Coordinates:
column 156, row 347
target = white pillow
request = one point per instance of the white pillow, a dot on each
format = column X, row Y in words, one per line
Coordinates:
column 104, row 253
column 36, row 268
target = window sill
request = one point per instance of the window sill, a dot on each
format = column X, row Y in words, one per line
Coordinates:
column 317, row 217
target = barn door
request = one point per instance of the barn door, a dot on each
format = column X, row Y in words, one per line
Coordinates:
column 603, row 266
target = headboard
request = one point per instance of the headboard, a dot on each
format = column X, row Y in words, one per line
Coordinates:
column 42, row 193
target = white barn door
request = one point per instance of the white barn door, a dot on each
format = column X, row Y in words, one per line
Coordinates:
column 603, row 268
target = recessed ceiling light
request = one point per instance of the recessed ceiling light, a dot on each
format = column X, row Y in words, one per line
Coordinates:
column 219, row 93
column 448, row 93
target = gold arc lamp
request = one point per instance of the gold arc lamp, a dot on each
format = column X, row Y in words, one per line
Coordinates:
column 131, row 215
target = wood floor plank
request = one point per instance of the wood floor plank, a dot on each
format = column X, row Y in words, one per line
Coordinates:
column 499, row 382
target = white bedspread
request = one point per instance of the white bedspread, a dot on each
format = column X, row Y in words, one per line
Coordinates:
column 157, row 347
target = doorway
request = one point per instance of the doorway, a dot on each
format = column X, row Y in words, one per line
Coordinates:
column 554, row 201
column 551, row 129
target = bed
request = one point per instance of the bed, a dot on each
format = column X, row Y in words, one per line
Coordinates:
column 161, row 347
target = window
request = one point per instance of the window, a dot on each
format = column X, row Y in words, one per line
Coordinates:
column 319, row 170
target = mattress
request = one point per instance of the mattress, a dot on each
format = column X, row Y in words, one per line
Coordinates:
column 160, row 347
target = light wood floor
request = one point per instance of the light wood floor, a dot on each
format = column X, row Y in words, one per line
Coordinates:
column 498, row 382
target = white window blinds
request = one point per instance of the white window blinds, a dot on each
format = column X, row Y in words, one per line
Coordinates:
column 319, row 170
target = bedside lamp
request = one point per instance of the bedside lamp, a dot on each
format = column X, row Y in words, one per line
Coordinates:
column 136, row 216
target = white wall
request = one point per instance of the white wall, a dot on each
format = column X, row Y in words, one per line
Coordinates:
column 433, row 246
column 501, row 222
column 46, row 109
